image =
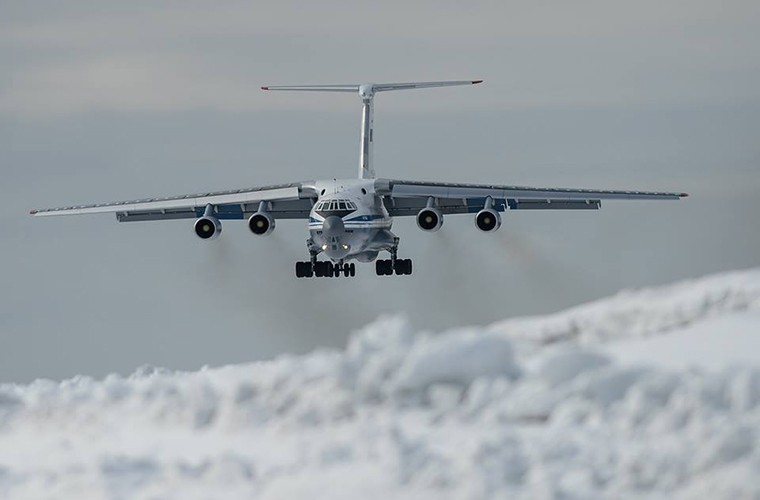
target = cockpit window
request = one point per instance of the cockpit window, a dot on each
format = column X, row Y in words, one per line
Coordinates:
column 339, row 208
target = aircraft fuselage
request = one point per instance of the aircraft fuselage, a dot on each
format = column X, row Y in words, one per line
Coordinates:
column 349, row 221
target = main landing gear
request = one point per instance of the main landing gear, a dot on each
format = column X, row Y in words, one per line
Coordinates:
column 386, row 267
column 328, row 269
column 324, row 269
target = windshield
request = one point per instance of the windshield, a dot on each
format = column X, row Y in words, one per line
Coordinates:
column 338, row 208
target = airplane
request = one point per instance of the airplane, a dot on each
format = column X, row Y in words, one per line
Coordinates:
column 350, row 219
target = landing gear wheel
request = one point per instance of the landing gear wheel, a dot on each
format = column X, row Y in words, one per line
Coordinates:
column 304, row 270
column 383, row 267
column 336, row 270
column 349, row 270
column 320, row 269
column 403, row 267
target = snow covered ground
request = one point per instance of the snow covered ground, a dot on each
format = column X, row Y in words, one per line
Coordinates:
column 652, row 393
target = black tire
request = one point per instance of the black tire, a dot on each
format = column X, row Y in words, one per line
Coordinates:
column 403, row 267
column 336, row 270
column 308, row 270
column 398, row 268
column 328, row 269
column 380, row 267
column 352, row 270
column 320, row 269
column 299, row 269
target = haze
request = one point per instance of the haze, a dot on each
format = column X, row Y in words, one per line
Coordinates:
column 101, row 102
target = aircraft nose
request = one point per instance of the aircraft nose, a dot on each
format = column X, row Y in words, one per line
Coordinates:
column 333, row 227
column 334, row 232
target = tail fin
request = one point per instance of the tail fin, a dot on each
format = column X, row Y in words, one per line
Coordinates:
column 367, row 92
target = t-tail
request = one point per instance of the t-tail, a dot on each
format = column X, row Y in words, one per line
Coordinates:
column 367, row 93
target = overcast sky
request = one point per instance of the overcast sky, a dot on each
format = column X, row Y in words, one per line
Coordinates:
column 101, row 101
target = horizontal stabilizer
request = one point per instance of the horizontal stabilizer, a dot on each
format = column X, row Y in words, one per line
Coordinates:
column 376, row 87
column 316, row 88
column 381, row 87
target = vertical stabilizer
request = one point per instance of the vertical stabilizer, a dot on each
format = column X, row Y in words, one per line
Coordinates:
column 366, row 165
column 367, row 94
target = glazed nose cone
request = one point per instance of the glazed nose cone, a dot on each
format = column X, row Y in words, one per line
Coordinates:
column 334, row 233
column 333, row 227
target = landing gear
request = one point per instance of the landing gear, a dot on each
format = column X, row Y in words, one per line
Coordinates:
column 403, row 267
column 324, row 269
column 349, row 270
column 304, row 270
column 386, row 267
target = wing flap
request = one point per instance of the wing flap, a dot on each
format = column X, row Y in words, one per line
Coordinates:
column 399, row 207
column 554, row 204
column 279, row 209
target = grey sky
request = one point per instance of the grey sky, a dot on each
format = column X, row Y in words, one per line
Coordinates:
column 101, row 102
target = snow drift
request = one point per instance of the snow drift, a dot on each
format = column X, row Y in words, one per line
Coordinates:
column 528, row 408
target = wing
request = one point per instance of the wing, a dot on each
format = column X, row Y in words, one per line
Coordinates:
column 285, row 201
column 408, row 197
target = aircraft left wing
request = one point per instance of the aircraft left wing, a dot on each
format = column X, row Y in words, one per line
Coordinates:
column 408, row 197
column 284, row 201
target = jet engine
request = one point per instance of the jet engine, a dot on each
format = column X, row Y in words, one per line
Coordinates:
column 430, row 219
column 261, row 223
column 488, row 220
column 208, row 227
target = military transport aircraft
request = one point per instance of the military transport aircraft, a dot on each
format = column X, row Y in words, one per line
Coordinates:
column 350, row 219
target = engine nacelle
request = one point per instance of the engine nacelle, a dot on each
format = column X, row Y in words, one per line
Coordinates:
column 430, row 219
column 488, row 220
column 261, row 223
column 208, row 227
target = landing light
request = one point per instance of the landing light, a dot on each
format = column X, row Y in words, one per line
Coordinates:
column 345, row 247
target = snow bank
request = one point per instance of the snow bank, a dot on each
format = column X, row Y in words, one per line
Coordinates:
column 473, row 413
column 642, row 313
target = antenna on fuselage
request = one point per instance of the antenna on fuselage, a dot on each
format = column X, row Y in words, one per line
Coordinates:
column 367, row 92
